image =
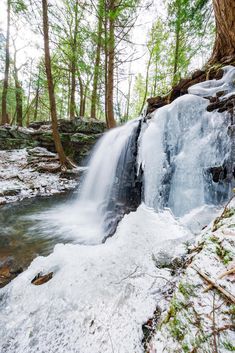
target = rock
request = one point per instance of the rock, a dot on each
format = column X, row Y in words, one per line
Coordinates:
column 8, row 271
column 40, row 279
column 3, row 201
column 73, row 173
column 11, row 191
column 218, row 173
column 77, row 136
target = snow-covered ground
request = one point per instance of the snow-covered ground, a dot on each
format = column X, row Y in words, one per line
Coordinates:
column 19, row 178
column 99, row 296
column 197, row 319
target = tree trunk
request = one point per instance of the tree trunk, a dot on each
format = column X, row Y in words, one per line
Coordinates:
column 110, row 75
column 56, row 136
column 177, row 46
column 81, row 96
column 224, row 47
column 7, row 65
column 97, row 62
column 28, row 98
column 73, row 65
column 18, row 93
column 37, row 97
column 19, row 100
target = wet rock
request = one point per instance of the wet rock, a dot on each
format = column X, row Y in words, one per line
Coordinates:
column 3, row 201
column 8, row 271
column 11, row 191
column 73, row 173
column 41, row 279
column 218, row 173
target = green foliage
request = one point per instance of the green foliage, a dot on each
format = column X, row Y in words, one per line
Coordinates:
column 229, row 346
column 224, row 254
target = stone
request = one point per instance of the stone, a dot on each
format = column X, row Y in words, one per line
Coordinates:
column 40, row 279
column 9, row 269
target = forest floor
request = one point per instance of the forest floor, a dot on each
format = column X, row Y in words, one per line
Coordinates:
column 33, row 172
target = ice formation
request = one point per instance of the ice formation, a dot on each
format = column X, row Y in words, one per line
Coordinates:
column 101, row 295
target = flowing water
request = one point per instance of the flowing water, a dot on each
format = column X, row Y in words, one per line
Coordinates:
column 100, row 295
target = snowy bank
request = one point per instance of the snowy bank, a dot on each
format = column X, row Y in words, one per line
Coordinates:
column 26, row 173
column 200, row 318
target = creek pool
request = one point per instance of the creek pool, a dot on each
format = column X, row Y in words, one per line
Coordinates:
column 24, row 236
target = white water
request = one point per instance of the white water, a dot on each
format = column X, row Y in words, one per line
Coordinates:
column 100, row 295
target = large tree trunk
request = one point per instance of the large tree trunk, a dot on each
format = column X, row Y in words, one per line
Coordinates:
column 5, row 119
column 97, row 61
column 224, row 47
column 110, row 75
column 58, row 145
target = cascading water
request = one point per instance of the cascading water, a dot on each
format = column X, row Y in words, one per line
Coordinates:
column 112, row 187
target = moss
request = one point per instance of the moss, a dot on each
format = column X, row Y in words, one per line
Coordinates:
column 186, row 289
column 227, row 213
column 175, row 306
column 224, row 254
column 229, row 346
column 214, row 239
column 177, row 328
column 186, row 348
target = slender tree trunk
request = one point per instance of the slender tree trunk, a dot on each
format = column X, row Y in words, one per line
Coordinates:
column 128, row 97
column 106, row 62
column 73, row 65
column 224, row 47
column 177, row 47
column 28, row 98
column 37, row 97
column 19, row 99
column 57, row 141
column 18, row 93
column 7, row 65
column 72, row 92
column 146, row 82
column 110, row 75
column 81, row 114
column 97, row 62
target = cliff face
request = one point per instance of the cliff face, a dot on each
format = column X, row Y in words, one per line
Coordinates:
column 78, row 137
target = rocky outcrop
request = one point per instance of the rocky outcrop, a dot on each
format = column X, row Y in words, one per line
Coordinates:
column 182, row 87
column 78, row 137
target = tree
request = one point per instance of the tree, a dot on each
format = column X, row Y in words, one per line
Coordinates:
column 97, row 59
column 5, row 119
column 59, row 148
column 224, row 47
column 189, row 21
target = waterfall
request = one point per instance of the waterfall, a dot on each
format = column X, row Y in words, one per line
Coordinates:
column 177, row 149
column 112, row 187
column 182, row 142
column 181, row 157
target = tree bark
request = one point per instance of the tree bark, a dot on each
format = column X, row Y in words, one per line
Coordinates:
column 19, row 99
column 37, row 96
column 56, row 136
column 224, row 47
column 18, row 93
column 5, row 118
column 97, row 61
column 110, row 75
column 73, row 65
